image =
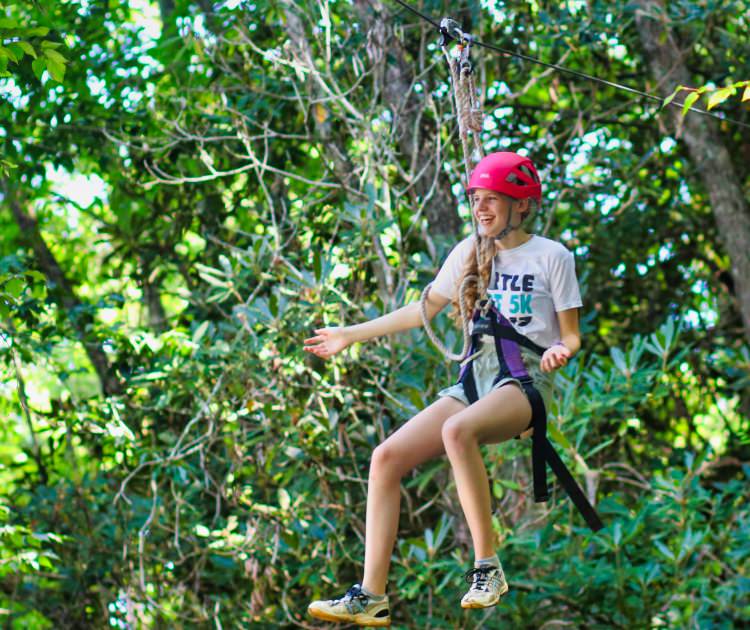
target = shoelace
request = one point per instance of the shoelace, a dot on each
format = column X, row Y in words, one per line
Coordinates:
column 479, row 577
column 355, row 592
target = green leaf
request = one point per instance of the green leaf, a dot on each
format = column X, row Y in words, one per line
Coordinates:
column 558, row 436
column 39, row 66
column 718, row 97
column 8, row 23
column 27, row 48
column 317, row 266
column 15, row 287
column 200, row 331
column 54, row 56
column 619, row 359
column 746, row 94
column 285, row 501
column 202, row 530
column 215, row 281
column 39, row 291
column 689, row 101
column 664, row 549
column 17, row 50
column 56, row 70
column 36, row 31
column 670, row 98
column 7, row 52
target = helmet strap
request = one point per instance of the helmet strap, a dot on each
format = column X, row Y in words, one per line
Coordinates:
column 509, row 227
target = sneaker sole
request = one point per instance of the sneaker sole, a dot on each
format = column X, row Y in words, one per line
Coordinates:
column 490, row 605
column 358, row 619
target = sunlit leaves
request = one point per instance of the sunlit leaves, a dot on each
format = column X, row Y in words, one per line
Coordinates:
column 716, row 96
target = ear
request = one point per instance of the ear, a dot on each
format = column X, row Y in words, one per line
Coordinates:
column 522, row 206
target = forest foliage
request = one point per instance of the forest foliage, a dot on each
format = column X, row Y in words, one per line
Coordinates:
column 170, row 456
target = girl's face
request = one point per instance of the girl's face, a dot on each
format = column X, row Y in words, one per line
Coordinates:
column 490, row 209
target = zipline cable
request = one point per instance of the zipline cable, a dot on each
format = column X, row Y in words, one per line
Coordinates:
column 576, row 73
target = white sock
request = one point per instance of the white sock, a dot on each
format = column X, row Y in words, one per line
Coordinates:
column 371, row 595
column 492, row 561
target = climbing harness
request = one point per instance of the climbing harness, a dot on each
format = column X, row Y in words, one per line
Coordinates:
column 508, row 341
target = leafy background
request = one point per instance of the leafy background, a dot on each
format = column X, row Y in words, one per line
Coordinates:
column 189, row 188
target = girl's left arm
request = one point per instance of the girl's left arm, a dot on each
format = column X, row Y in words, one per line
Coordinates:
column 557, row 356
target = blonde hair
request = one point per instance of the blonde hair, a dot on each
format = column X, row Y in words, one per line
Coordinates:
column 479, row 266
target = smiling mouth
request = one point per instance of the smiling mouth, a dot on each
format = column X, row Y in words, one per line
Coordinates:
column 486, row 220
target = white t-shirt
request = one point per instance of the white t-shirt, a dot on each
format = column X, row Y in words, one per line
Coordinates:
column 529, row 284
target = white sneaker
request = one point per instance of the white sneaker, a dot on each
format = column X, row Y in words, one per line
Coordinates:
column 353, row 607
column 487, row 586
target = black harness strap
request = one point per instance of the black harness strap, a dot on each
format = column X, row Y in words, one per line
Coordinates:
column 542, row 451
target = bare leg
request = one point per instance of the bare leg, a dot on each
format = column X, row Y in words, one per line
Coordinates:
column 414, row 443
column 499, row 416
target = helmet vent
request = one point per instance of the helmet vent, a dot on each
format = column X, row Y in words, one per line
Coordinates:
column 529, row 173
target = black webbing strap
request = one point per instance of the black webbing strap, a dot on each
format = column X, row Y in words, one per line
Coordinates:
column 542, row 451
column 467, row 377
column 538, row 438
column 571, row 487
column 508, row 332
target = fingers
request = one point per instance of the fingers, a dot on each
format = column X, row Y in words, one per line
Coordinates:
column 319, row 351
column 325, row 343
column 554, row 359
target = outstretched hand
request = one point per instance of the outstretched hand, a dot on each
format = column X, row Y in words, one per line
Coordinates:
column 327, row 342
column 555, row 357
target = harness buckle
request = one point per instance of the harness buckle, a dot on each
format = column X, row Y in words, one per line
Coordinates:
column 484, row 307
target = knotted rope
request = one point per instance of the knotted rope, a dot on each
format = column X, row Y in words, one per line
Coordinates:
column 470, row 119
column 468, row 110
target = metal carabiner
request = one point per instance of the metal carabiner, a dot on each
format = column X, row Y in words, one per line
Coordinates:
column 450, row 29
column 465, row 56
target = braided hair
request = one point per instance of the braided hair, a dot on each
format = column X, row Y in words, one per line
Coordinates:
column 485, row 245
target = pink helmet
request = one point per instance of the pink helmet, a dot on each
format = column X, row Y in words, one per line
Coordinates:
column 508, row 173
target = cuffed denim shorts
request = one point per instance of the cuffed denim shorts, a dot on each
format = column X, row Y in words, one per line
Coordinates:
column 486, row 368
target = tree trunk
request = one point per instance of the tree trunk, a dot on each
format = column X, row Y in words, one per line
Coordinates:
column 157, row 318
column 705, row 147
column 414, row 141
column 62, row 291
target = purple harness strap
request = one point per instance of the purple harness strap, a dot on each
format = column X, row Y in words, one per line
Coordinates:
column 510, row 350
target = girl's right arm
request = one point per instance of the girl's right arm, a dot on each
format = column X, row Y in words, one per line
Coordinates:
column 330, row 341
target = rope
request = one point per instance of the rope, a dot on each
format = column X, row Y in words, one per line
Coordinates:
column 470, row 118
column 578, row 73
column 465, row 319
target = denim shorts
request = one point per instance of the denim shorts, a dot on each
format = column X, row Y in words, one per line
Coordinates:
column 486, row 368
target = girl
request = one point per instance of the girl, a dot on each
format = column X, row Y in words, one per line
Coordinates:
column 531, row 283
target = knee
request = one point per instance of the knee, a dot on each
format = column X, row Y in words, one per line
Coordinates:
column 384, row 464
column 456, row 434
